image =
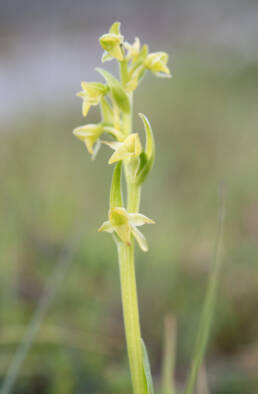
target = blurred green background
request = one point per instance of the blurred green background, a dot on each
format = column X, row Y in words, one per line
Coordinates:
column 205, row 123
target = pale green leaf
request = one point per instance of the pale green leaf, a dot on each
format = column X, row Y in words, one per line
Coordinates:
column 118, row 93
column 146, row 159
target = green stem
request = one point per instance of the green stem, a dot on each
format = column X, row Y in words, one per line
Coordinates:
column 131, row 316
column 127, row 118
column 127, row 274
column 134, row 196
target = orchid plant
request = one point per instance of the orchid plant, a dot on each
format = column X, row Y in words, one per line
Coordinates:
column 115, row 98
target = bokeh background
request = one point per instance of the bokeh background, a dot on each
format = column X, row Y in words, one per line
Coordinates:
column 53, row 197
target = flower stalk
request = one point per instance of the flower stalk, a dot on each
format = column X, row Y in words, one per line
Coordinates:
column 116, row 101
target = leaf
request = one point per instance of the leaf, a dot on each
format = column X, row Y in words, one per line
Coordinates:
column 118, row 93
column 147, row 157
column 116, row 199
column 141, row 172
column 147, row 369
column 150, row 143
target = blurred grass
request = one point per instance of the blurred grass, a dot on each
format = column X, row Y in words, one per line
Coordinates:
column 205, row 123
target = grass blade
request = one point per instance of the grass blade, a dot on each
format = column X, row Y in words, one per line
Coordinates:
column 147, row 370
column 209, row 304
column 52, row 285
column 169, row 355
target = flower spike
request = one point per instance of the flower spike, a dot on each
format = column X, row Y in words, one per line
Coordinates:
column 115, row 98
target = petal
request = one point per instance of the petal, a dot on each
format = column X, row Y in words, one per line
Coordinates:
column 85, row 107
column 114, row 132
column 121, row 154
column 118, row 216
column 115, row 28
column 106, row 57
column 87, row 130
column 137, row 219
column 140, row 239
column 106, row 226
column 89, row 142
column 80, row 94
column 133, row 144
column 96, row 149
column 94, row 89
column 112, row 144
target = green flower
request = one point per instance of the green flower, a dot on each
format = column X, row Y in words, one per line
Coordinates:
column 112, row 43
column 130, row 148
column 157, row 63
column 125, row 224
column 91, row 94
column 90, row 134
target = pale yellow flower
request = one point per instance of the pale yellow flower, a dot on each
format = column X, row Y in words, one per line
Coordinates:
column 157, row 63
column 112, row 43
column 91, row 94
column 130, row 148
column 125, row 224
column 89, row 134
